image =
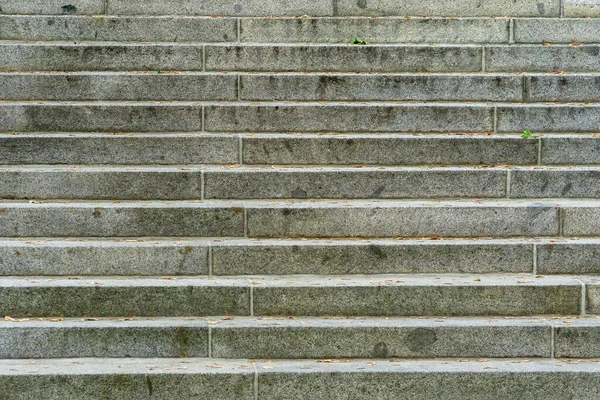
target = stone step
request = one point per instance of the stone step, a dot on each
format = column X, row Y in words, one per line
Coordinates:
column 543, row 8
column 301, row 218
column 301, row 338
column 127, row 148
column 364, row 379
column 298, row 117
column 198, row 86
column 192, row 182
column 233, row 256
column 299, row 295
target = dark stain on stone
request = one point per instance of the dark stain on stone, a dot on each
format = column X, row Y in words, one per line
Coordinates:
column 97, row 212
column 420, row 338
column 566, row 189
column 544, row 186
column 298, row 193
column 287, row 211
column 17, row 253
column 69, row 9
column 288, row 146
column 377, row 193
column 376, row 250
column 237, row 8
column 540, row 7
column 50, row 22
column 362, row 4
column 182, row 336
column 149, row 385
column 186, row 250
column 380, row 350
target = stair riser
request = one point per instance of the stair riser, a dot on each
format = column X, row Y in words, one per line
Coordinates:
column 118, row 149
column 374, row 300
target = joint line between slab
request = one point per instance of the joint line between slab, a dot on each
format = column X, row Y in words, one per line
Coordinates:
column 508, row 184
column 210, row 259
column 483, row 59
column 535, row 266
column 511, row 31
column 202, row 183
column 241, row 150
column 209, row 341
column 583, row 295
column 562, row 8
column 495, row 119
column 540, row 151
column 239, row 30
column 255, row 381
column 105, row 7
column 251, row 300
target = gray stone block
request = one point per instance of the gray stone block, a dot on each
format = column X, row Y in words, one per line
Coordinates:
column 100, row 117
column 367, row 183
column 394, row 149
column 272, row 257
column 592, row 292
column 268, row 87
column 152, row 148
column 104, row 219
column 103, row 257
column 378, row 30
column 98, row 183
column 569, row 257
column 100, row 57
column 133, row 297
column 455, row 8
column 307, row 338
column 51, row 7
column 565, row 88
column 582, row 8
column 577, row 338
column 581, row 219
column 247, row 8
column 571, row 150
column 549, row 118
column 429, row 380
column 555, row 30
column 553, row 183
column 402, row 219
column 342, row 58
column 380, row 117
column 104, row 338
column 386, row 295
column 122, row 86
column 536, row 58
column 135, row 379
column 118, row 29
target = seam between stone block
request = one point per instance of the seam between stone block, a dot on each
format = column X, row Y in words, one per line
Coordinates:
column 552, row 352
column 535, row 266
column 240, row 150
column 508, row 184
column 251, row 300
column 203, row 117
column 511, row 31
column 562, row 8
column 203, row 58
column 582, row 301
column 539, row 152
column 245, row 222
column 210, row 259
column 495, row 119
column 202, row 185
column 255, row 381
column 483, row 59
column 335, row 7
column 209, row 341
column 561, row 212
column 239, row 30
column 239, row 87
column 525, row 89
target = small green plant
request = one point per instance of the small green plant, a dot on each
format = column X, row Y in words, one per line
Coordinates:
column 159, row 72
column 528, row 135
column 359, row 41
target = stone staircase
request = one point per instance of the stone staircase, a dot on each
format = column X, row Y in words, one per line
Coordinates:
column 209, row 199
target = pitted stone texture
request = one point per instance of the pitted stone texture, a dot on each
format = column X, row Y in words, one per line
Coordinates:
column 582, row 219
column 458, row 8
column 128, row 149
column 429, row 380
column 124, row 297
column 122, row 86
column 554, row 30
column 390, row 150
column 426, row 295
column 580, row 256
column 563, row 88
column 122, row 257
column 380, row 117
column 118, row 29
column 97, row 183
column 351, row 183
column 127, row 378
column 380, row 30
column 582, row 8
column 402, row 219
column 100, row 57
column 549, row 118
column 571, row 150
column 555, row 183
column 342, row 58
column 272, row 257
column 379, row 338
column 577, row 337
column 361, row 87
column 54, row 7
column 95, row 337
column 109, row 219
column 246, row 8
column 101, row 117
column 536, row 58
